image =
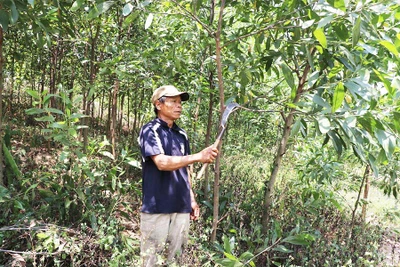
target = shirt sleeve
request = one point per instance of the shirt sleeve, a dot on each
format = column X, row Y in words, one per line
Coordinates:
column 150, row 143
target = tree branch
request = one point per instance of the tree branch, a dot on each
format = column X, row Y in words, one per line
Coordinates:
column 193, row 16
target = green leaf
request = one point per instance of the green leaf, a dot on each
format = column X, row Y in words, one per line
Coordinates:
column 47, row 97
column 57, row 125
column 46, row 194
column 33, row 111
column 42, row 235
column 338, row 97
column 18, row 205
column 337, row 142
column 288, row 74
column 300, row 239
column 385, row 81
column 54, row 110
column 320, row 36
column 76, row 5
column 45, row 118
column 14, row 13
column 356, row 31
column 282, row 249
column 4, row 193
column 369, row 123
column 359, row 152
column 33, row 93
column 78, row 116
column 396, row 121
column 372, row 163
column 245, row 77
column 324, row 125
column 341, row 31
column 230, row 257
column 394, row 87
column 227, row 245
column 387, row 141
column 4, row 19
column 307, row 24
column 107, row 154
column 296, row 127
column 339, row 4
column 130, row 18
column 246, row 255
column 323, row 22
column 390, row 46
column 100, row 9
column 134, row 163
column 149, row 20
column 321, row 102
column 80, row 194
column 127, row 9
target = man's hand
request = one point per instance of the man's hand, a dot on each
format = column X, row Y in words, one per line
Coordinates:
column 208, row 154
column 194, row 215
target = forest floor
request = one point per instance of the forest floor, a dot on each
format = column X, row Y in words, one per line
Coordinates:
column 381, row 208
column 390, row 247
column 386, row 210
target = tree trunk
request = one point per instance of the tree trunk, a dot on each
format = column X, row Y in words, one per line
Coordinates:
column 128, row 111
column 269, row 190
column 206, row 185
column 113, row 124
column 53, row 68
column 43, row 81
column 101, row 111
column 222, row 107
column 208, row 134
column 92, row 75
column 1, row 106
column 366, row 192
column 121, row 114
column 109, row 114
column 353, row 216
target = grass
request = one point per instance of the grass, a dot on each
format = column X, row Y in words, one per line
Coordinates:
column 382, row 208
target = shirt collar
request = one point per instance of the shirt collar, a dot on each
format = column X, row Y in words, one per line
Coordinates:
column 164, row 124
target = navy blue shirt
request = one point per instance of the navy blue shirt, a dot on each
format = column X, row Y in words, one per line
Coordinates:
column 164, row 191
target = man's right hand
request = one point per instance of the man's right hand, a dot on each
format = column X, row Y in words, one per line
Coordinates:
column 208, row 154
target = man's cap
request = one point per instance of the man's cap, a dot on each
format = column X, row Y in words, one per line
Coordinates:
column 168, row 90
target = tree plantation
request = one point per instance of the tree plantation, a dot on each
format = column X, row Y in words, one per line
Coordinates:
column 308, row 170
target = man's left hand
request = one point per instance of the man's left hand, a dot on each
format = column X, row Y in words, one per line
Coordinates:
column 194, row 215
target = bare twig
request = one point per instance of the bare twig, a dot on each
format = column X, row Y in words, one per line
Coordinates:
column 29, row 252
column 264, row 250
column 223, row 217
column 193, row 16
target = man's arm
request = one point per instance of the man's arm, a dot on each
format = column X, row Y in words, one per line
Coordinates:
column 172, row 163
column 195, row 214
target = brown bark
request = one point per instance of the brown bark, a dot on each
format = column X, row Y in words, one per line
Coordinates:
column 208, row 135
column 52, row 84
column 222, row 107
column 282, row 147
column 121, row 114
column 353, row 216
column 1, row 105
column 92, row 75
column 113, row 124
column 206, row 185
column 366, row 193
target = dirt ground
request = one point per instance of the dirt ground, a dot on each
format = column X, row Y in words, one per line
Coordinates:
column 390, row 247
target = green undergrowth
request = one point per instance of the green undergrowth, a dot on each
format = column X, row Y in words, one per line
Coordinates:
column 310, row 226
column 75, row 208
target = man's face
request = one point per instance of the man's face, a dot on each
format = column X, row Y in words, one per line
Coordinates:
column 171, row 109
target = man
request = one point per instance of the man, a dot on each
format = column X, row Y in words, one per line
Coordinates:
column 168, row 201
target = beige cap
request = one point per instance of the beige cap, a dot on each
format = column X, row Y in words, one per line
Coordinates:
column 168, row 90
